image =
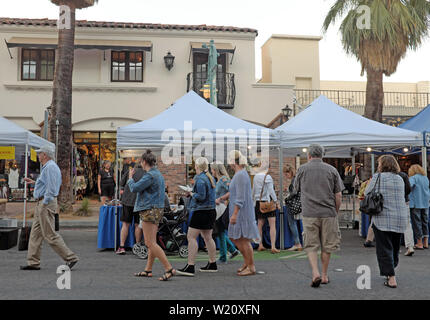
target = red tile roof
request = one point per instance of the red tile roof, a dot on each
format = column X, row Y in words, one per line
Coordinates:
column 125, row 25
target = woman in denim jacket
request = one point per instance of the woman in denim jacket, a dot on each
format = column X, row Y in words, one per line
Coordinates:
column 222, row 186
column 150, row 205
column 202, row 222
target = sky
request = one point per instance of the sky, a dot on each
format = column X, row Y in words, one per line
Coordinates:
column 293, row 17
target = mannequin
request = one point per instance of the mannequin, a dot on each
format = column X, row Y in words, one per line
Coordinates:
column 13, row 177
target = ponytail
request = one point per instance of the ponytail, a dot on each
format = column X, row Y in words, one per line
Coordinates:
column 210, row 178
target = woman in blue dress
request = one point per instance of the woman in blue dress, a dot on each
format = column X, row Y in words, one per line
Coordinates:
column 242, row 228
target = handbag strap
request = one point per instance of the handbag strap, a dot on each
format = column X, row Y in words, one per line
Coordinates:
column 262, row 188
column 377, row 183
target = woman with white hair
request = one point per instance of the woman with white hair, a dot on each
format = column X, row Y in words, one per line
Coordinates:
column 242, row 228
column 202, row 222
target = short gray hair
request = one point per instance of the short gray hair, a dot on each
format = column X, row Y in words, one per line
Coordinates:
column 316, row 151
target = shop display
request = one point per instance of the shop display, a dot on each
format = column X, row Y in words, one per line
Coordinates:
column 13, row 177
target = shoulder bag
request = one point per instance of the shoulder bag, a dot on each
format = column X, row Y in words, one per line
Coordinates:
column 293, row 203
column 373, row 202
column 266, row 206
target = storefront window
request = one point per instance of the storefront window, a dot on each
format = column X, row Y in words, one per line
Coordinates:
column 91, row 149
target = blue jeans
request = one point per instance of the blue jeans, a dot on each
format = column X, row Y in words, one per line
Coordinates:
column 224, row 245
column 292, row 223
column 420, row 220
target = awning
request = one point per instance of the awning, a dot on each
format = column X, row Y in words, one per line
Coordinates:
column 51, row 43
column 220, row 47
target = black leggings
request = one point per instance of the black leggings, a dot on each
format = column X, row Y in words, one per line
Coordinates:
column 387, row 251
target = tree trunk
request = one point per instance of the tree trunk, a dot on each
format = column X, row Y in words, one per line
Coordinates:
column 373, row 108
column 62, row 109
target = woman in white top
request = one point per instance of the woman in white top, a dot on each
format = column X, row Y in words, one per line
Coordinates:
column 268, row 194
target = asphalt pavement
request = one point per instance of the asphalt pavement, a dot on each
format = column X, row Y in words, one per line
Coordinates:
column 104, row 275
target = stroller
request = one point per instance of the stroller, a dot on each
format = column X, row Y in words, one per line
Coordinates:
column 170, row 236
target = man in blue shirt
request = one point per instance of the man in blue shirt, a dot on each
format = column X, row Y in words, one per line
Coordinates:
column 46, row 191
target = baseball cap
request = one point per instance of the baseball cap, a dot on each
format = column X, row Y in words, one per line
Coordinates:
column 47, row 150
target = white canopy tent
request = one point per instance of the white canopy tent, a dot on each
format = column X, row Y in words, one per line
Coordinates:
column 12, row 134
column 185, row 121
column 338, row 130
column 341, row 132
column 192, row 121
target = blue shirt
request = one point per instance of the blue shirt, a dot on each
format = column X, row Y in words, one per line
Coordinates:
column 420, row 194
column 49, row 182
column 150, row 190
column 222, row 186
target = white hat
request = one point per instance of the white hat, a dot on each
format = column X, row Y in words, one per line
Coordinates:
column 47, row 150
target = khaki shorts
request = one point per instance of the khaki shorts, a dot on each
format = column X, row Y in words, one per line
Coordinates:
column 154, row 215
column 321, row 233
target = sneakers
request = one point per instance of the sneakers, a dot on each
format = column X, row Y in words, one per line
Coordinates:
column 187, row 271
column 409, row 252
column 234, row 254
column 210, row 267
column 219, row 261
column 120, row 251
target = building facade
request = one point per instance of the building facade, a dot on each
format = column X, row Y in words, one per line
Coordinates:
column 120, row 77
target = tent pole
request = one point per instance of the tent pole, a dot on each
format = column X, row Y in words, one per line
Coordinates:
column 424, row 158
column 281, row 188
column 117, row 197
column 372, row 157
column 353, row 188
column 25, row 184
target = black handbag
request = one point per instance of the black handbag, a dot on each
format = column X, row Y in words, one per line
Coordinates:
column 24, row 237
column 373, row 202
column 294, row 204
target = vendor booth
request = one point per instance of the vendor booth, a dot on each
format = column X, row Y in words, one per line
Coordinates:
column 192, row 126
column 17, row 154
column 341, row 132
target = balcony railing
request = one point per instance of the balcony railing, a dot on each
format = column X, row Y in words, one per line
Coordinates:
column 404, row 104
column 226, row 89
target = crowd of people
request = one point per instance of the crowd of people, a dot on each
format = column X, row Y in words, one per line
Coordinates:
column 238, row 210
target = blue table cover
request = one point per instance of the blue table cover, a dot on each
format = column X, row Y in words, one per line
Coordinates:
column 106, row 229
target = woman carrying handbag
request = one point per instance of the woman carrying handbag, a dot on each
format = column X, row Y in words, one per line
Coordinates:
column 265, row 204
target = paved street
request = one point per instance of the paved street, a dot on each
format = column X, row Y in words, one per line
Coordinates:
column 103, row 275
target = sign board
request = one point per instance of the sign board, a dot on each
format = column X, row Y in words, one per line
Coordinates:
column 7, row 153
column 33, row 155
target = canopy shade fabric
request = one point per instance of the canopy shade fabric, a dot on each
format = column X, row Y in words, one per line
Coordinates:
column 191, row 114
column 325, row 123
column 51, row 43
column 13, row 135
column 220, row 47
column 420, row 122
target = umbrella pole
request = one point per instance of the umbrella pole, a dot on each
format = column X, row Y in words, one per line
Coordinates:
column 25, row 184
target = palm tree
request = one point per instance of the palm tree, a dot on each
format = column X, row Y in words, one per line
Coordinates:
column 62, row 99
column 395, row 27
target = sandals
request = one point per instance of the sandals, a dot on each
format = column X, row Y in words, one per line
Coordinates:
column 241, row 269
column 144, row 274
column 328, row 281
column 418, row 248
column 167, row 275
column 246, row 272
column 316, row 283
column 389, row 285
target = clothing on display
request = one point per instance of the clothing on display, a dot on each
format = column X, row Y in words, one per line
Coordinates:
column 13, row 178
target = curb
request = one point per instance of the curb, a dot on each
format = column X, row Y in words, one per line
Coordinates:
column 65, row 224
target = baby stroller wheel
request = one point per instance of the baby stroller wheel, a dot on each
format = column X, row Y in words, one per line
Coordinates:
column 183, row 251
column 136, row 248
column 143, row 252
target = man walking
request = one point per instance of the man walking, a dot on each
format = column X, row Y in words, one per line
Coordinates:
column 46, row 192
column 320, row 186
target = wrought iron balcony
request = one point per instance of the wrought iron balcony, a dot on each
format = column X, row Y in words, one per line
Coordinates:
column 226, row 89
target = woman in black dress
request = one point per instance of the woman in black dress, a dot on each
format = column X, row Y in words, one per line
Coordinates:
column 106, row 182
